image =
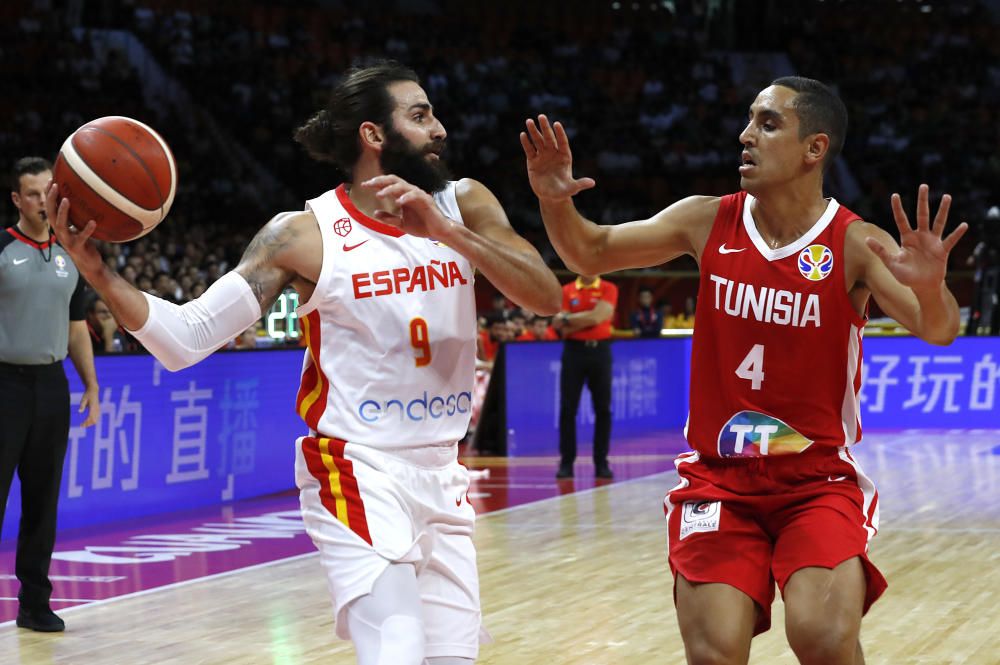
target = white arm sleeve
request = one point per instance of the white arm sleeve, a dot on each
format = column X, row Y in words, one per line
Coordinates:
column 181, row 335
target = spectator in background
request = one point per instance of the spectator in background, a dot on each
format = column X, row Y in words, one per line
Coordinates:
column 585, row 324
column 106, row 336
column 984, row 312
column 686, row 318
column 667, row 314
column 646, row 320
column 496, row 332
column 247, row 339
column 539, row 330
column 518, row 323
column 501, row 305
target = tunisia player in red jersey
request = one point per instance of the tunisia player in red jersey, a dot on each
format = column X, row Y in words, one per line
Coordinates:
column 770, row 493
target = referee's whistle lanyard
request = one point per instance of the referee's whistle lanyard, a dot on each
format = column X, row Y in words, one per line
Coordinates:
column 41, row 251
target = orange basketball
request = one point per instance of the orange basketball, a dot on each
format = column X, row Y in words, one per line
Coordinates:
column 119, row 173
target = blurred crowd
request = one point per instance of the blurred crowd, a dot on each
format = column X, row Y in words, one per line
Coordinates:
column 651, row 93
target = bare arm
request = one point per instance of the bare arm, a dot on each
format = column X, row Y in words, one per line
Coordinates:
column 601, row 312
column 592, row 249
column 81, row 352
column 486, row 239
column 270, row 260
column 509, row 261
column 908, row 281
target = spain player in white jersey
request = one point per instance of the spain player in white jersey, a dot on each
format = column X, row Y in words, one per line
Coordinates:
column 770, row 493
column 384, row 266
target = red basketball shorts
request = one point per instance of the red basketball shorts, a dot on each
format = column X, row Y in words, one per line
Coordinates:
column 751, row 522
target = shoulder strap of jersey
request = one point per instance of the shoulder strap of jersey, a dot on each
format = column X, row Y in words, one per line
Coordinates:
column 447, row 201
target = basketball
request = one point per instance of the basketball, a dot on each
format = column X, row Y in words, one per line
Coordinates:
column 118, row 172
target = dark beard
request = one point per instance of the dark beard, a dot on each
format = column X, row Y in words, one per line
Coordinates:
column 399, row 157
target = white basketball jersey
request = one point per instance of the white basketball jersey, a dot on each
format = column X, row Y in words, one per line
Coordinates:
column 391, row 332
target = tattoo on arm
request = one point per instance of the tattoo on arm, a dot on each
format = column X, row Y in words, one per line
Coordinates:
column 260, row 265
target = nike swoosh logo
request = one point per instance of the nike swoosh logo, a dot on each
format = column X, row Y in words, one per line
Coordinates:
column 724, row 250
column 835, row 480
column 18, row 262
column 348, row 248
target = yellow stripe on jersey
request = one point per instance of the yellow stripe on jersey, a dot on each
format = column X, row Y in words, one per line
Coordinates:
column 313, row 395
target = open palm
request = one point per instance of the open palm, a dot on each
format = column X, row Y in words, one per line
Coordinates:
column 550, row 161
column 922, row 258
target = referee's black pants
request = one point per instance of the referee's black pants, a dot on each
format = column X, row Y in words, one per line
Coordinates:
column 585, row 363
column 34, row 427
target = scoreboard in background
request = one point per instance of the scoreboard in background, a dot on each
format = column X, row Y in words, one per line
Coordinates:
column 281, row 322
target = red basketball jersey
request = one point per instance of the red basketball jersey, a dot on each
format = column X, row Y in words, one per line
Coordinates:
column 776, row 359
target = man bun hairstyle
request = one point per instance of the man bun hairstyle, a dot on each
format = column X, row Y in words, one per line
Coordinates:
column 362, row 95
column 820, row 110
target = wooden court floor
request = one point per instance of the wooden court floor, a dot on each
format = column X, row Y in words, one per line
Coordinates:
column 582, row 579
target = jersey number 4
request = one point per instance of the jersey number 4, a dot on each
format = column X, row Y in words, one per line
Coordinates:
column 752, row 367
column 420, row 341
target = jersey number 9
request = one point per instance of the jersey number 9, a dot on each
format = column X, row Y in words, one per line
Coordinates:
column 420, row 341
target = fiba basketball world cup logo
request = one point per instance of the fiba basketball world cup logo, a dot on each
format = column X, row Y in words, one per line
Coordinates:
column 815, row 262
column 61, row 266
column 342, row 227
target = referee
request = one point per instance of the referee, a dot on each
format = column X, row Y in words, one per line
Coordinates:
column 41, row 319
column 585, row 324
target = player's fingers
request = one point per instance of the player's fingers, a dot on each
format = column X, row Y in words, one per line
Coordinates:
column 381, row 181
column 415, row 198
column 535, row 134
column 923, row 208
column 388, row 218
column 547, row 134
column 52, row 200
column 898, row 214
column 941, row 218
column 562, row 141
column 879, row 250
column 61, row 217
column 84, row 235
column 584, row 183
column 394, row 191
column 529, row 148
column 952, row 238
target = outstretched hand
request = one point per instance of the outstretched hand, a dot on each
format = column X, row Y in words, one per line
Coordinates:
column 550, row 161
column 85, row 255
column 922, row 258
column 413, row 211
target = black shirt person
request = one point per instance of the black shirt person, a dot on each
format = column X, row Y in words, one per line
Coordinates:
column 646, row 320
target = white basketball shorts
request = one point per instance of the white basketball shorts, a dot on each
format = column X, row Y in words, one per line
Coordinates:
column 366, row 508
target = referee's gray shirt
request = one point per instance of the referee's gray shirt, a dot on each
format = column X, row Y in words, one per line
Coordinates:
column 40, row 293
